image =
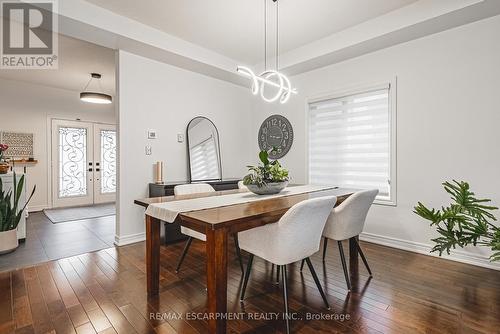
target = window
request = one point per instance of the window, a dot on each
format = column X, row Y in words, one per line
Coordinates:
column 351, row 141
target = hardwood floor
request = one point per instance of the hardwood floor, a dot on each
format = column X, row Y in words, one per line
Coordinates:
column 105, row 292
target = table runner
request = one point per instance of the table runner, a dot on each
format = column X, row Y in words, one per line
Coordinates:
column 168, row 211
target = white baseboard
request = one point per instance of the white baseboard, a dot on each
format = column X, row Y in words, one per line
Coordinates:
column 35, row 208
column 421, row 248
column 130, row 239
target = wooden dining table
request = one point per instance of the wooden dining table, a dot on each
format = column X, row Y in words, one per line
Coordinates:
column 218, row 224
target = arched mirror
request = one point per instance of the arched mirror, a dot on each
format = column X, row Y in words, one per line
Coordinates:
column 203, row 150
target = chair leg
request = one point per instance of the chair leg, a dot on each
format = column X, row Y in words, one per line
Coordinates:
column 278, row 274
column 284, row 279
column 247, row 276
column 316, row 280
column 183, row 255
column 363, row 257
column 302, row 264
column 344, row 265
column 238, row 253
column 325, row 244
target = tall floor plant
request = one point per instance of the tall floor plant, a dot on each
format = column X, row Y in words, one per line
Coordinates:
column 10, row 211
column 466, row 221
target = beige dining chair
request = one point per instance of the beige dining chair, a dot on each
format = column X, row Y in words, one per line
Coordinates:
column 296, row 236
column 347, row 221
column 198, row 188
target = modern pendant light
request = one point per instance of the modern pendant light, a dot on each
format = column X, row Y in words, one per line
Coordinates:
column 91, row 95
column 278, row 81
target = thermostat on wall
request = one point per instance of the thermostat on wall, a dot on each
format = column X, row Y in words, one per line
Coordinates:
column 152, row 134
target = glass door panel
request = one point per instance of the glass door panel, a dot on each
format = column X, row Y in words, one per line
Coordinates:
column 105, row 161
column 72, row 150
column 71, row 167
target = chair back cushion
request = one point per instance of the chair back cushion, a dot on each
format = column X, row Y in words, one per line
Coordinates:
column 348, row 219
column 193, row 188
column 299, row 230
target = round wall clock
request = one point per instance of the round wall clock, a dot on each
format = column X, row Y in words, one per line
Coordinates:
column 276, row 132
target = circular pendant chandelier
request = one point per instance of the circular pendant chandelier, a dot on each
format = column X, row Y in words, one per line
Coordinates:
column 94, row 95
column 271, row 84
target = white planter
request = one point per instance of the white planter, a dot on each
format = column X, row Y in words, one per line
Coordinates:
column 8, row 241
column 268, row 188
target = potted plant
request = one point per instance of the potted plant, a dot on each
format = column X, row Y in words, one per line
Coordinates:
column 4, row 166
column 11, row 214
column 267, row 178
column 467, row 221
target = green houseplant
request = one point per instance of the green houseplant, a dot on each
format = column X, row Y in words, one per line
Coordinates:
column 466, row 221
column 266, row 178
column 11, row 213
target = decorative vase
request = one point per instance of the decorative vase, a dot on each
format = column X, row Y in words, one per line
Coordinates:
column 4, row 167
column 268, row 188
column 8, row 241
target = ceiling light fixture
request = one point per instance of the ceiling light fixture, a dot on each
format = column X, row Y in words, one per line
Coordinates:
column 279, row 81
column 93, row 96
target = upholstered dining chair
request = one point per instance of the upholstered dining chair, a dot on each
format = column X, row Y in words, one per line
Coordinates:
column 294, row 237
column 198, row 188
column 347, row 221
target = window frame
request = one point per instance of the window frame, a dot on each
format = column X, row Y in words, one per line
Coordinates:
column 359, row 89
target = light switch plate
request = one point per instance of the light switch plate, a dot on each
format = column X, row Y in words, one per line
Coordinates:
column 148, row 150
column 152, row 134
column 180, row 138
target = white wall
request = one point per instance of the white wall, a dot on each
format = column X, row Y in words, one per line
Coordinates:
column 26, row 107
column 447, row 124
column 154, row 95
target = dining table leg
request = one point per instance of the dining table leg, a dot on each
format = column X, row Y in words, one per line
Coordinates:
column 216, row 245
column 152, row 254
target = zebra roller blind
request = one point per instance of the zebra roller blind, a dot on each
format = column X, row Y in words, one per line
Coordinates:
column 349, row 141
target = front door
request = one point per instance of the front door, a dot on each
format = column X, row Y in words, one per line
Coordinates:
column 104, row 163
column 83, row 163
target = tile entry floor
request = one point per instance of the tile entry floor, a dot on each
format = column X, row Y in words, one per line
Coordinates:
column 47, row 241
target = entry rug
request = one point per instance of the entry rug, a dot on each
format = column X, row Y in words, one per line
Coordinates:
column 168, row 211
column 79, row 213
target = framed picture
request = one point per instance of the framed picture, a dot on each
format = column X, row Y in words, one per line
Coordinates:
column 20, row 144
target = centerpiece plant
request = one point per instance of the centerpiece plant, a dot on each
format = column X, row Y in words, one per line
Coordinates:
column 266, row 178
column 466, row 221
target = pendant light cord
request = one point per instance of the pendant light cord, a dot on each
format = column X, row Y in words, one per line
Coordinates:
column 277, row 35
column 87, row 85
column 98, row 83
column 265, row 35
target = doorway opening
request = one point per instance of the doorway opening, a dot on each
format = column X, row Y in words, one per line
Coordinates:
column 83, row 163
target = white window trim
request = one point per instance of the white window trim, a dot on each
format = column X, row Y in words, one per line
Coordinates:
column 356, row 89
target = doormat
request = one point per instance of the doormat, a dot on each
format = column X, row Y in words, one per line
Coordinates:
column 79, row 213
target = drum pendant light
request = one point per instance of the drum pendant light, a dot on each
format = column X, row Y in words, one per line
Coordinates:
column 92, row 95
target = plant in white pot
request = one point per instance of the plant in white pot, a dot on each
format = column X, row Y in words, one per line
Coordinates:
column 268, row 178
column 11, row 214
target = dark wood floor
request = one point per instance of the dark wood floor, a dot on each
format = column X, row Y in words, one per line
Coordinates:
column 105, row 292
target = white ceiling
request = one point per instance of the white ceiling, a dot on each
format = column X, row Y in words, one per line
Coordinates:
column 77, row 59
column 234, row 28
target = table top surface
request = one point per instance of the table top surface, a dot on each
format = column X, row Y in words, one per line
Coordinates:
column 267, row 208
